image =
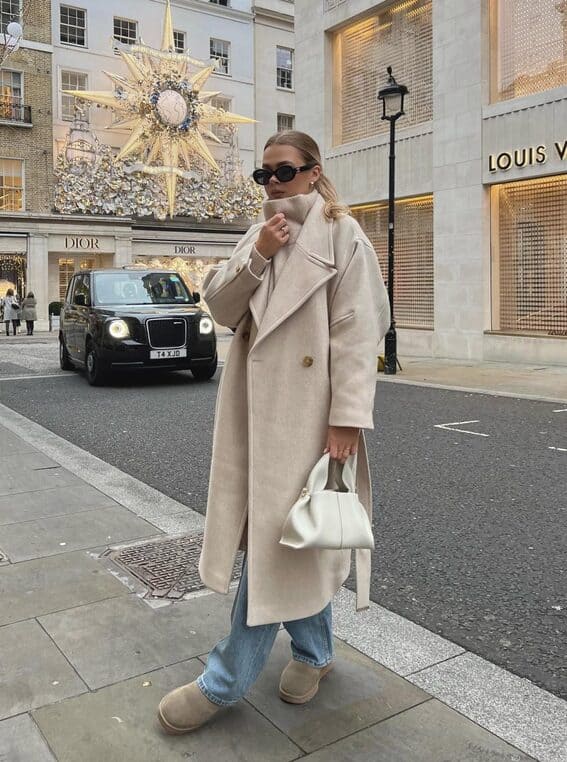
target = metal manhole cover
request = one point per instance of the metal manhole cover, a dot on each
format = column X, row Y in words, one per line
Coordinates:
column 168, row 568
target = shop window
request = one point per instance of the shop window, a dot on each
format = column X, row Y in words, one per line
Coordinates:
column 11, row 185
column 286, row 122
column 179, row 41
column 125, row 31
column 220, row 51
column 529, row 249
column 10, row 10
column 12, row 273
column 528, row 43
column 399, row 36
column 219, row 2
column 413, row 262
column 67, row 266
column 72, row 80
column 72, row 26
column 284, row 68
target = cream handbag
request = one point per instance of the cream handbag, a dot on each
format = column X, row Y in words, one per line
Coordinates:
column 328, row 513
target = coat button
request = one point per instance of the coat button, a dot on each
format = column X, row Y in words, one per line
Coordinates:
column 238, row 268
column 307, row 361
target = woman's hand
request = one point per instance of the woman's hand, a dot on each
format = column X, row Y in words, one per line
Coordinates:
column 342, row 441
column 273, row 235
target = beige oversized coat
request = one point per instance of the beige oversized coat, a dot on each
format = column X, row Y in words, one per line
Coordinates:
column 298, row 362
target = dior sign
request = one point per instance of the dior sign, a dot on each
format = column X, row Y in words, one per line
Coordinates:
column 81, row 243
column 525, row 157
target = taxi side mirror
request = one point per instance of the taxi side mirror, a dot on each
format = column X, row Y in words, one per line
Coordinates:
column 196, row 297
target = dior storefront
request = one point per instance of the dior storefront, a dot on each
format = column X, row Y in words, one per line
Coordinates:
column 481, row 176
column 41, row 254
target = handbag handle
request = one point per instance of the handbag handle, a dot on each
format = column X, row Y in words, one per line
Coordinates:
column 332, row 475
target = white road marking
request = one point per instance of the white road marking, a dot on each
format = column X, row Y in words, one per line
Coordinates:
column 558, row 449
column 25, row 378
column 561, row 410
column 449, row 427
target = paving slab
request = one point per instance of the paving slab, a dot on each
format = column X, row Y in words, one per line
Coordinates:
column 32, row 461
column 60, row 534
column 390, row 639
column 58, row 501
column 21, row 741
column 118, row 724
column 16, row 480
column 116, row 639
column 430, row 732
column 33, row 588
column 12, row 443
column 509, row 706
column 356, row 694
column 33, row 672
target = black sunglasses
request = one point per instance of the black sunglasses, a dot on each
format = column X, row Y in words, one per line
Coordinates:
column 284, row 174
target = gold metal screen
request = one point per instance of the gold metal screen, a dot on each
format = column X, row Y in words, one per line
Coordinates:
column 413, row 260
column 401, row 37
column 529, row 47
column 530, row 256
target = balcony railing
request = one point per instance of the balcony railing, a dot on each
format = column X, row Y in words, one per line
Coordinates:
column 12, row 110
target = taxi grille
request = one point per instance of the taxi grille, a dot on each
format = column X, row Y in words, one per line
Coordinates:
column 167, row 333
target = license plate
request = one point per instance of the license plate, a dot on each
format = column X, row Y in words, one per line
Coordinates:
column 167, row 354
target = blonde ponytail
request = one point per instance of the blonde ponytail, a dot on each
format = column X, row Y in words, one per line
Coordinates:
column 309, row 149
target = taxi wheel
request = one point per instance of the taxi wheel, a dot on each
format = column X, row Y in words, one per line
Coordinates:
column 64, row 359
column 96, row 374
column 205, row 372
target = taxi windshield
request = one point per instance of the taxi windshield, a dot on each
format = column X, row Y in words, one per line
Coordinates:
column 140, row 288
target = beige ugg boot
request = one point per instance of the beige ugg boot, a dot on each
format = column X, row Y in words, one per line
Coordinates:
column 300, row 682
column 185, row 709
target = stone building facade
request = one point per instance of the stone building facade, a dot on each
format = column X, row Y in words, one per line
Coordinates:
column 481, row 175
column 26, row 140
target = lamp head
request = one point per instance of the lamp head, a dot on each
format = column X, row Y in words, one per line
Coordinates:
column 392, row 97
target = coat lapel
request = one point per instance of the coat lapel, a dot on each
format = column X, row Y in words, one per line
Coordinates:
column 310, row 264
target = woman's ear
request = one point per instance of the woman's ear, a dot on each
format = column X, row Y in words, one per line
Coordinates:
column 315, row 174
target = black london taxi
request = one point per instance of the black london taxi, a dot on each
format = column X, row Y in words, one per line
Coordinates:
column 120, row 319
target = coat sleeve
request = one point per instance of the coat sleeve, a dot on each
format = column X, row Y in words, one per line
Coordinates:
column 227, row 288
column 359, row 317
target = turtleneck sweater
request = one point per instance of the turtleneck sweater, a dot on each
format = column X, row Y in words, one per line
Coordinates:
column 295, row 209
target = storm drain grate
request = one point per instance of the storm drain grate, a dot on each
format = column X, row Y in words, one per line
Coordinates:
column 168, row 568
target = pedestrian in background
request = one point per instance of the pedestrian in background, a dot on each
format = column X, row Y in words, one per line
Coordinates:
column 11, row 308
column 29, row 312
column 304, row 294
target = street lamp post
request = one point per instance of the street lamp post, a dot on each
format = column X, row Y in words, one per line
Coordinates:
column 392, row 97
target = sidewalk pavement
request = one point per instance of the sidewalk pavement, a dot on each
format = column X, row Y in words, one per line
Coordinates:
column 86, row 654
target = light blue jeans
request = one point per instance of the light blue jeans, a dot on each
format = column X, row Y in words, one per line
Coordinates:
column 235, row 662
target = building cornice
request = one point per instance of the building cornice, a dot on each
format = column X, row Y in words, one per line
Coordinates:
column 210, row 8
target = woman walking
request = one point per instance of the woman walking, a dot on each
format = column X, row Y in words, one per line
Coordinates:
column 304, row 294
column 11, row 308
column 29, row 312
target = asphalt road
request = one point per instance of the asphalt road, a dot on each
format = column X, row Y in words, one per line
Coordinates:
column 470, row 529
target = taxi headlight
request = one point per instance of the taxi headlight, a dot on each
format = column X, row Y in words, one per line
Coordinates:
column 118, row 329
column 206, row 325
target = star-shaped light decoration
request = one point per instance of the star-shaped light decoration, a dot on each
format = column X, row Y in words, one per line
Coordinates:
column 164, row 105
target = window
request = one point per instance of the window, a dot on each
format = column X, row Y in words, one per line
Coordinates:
column 179, row 40
column 11, row 100
column 11, row 185
column 72, row 26
column 72, row 80
column 529, row 256
column 286, row 122
column 66, row 269
column 222, row 131
column 220, row 51
column 284, row 66
column 413, row 268
column 400, row 36
column 10, row 10
column 125, row 31
column 219, row 2
column 528, row 47
column 81, row 286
